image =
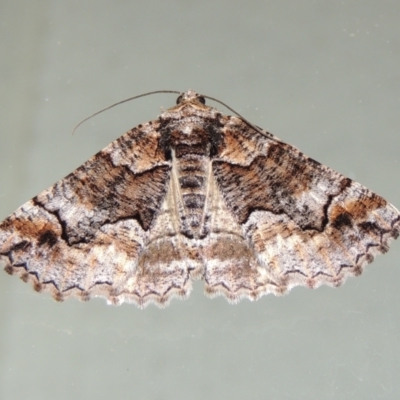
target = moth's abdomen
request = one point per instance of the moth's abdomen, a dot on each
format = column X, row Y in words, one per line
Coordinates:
column 192, row 179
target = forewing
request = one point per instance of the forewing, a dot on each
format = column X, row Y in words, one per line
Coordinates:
column 306, row 223
column 84, row 235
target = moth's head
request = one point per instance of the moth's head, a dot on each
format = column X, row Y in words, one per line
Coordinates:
column 190, row 104
column 190, row 98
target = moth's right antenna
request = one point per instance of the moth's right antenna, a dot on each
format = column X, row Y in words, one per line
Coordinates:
column 255, row 127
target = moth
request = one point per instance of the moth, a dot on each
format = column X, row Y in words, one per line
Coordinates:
column 195, row 194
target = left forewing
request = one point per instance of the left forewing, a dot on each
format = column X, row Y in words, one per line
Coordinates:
column 83, row 236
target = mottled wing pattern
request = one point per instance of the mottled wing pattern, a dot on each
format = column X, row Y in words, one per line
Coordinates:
column 85, row 235
column 304, row 223
column 195, row 194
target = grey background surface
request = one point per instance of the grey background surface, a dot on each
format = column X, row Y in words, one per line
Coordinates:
column 322, row 75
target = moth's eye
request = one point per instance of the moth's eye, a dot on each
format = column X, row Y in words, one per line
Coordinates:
column 202, row 100
column 179, row 99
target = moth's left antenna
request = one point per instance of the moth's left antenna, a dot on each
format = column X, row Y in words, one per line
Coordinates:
column 121, row 102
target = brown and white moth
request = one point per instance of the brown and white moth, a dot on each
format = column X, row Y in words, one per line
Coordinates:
column 195, row 194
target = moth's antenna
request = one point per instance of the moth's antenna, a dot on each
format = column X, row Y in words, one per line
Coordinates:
column 256, row 128
column 121, row 102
